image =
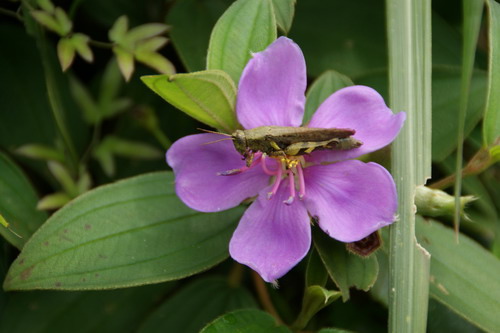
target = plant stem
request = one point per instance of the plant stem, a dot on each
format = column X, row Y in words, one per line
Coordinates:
column 235, row 275
column 74, row 6
column 55, row 99
column 478, row 163
column 264, row 298
column 103, row 45
column 162, row 139
column 11, row 13
column 408, row 27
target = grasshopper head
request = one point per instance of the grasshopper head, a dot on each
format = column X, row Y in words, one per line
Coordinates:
column 240, row 141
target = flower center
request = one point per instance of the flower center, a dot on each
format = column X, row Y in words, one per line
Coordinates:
column 285, row 166
column 288, row 166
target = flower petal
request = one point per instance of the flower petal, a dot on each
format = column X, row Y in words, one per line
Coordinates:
column 272, row 237
column 350, row 199
column 197, row 183
column 272, row 86
column 362, row 109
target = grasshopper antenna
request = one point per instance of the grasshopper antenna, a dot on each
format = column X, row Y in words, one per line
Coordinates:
column 214, row 132
column 207, row 143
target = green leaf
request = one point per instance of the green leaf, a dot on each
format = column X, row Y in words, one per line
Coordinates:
column 491, row 122
column 464, row 276
column 346, row 269
column 63, row 20
column 245, row 321
column 105, row 158
column 81, row 44
column 380, row 290
column 22, row 83
column 316, row 273
column 128, row 148
column 125, row 61
column 196, row 305
column 80, row 312
column 142, row 32
column 64, row 178
column 4, row 222
column 152, row 44
column 191, row 40
column 284, row 11
column 472, row 14
column 246, row 27
column 43, row 152
column 60, row 102
column 48, row 21
column 445, row 103
column 84, row 100
column 65, row 53
column 130, row 233
column 110, row 86
column 325, row 85
column 331, row 39
column 149, row 121
column 207, row 96
column 53, row 201
column 84, row 182
column 116, row 106
column 17, row 203
column 495, row 153
column 315, row 299
column 46, row 5
column 156, row 61
column 442, row 319
column 119, row 29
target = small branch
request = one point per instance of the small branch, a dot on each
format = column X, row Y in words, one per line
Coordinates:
column 96, row 134
column 74, row 7
column 235, row 275
column 162, row 139
column 11, row 13
column 264, row 298
column 478, row 163
column 103, row 45
column 445, row 182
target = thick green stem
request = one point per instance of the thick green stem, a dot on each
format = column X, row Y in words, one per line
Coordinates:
column 408, row 26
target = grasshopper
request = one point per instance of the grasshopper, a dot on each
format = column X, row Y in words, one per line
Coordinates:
column 291, row 141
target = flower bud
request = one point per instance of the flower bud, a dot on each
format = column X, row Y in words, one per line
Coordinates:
column 433, row 202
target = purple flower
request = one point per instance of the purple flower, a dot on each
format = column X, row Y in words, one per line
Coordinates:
column 349, row 199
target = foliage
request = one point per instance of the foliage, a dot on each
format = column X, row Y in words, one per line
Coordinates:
column 87, row 202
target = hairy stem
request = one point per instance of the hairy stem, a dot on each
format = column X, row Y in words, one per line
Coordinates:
column 264, row 298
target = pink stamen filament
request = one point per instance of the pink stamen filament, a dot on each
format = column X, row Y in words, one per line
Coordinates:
column 232, row 172
column 256, row 158
column 302, row 185
column 267, row 171
column 276, row 184
column 291, row 184
column 285, row 164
